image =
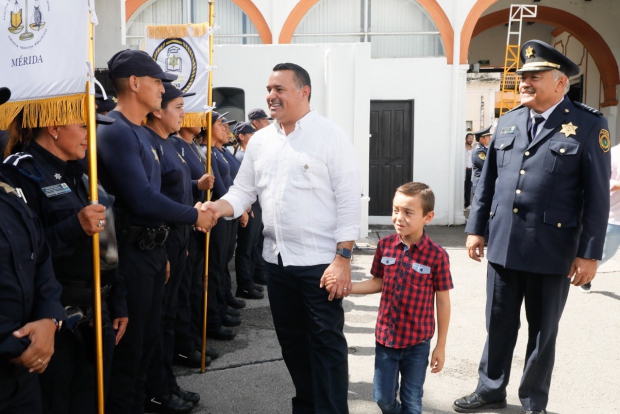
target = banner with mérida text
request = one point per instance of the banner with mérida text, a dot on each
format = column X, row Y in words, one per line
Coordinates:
column 183, row 49
column 43, row 60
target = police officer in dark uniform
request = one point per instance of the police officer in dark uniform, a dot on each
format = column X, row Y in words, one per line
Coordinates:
column 483, row 137
column 129, row 169
column 52, row 179
column 30, row 308
column 544, row 191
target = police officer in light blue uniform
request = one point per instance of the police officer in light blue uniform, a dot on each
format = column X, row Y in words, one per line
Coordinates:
column 544, row 191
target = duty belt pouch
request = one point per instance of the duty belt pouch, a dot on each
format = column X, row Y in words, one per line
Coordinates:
column 152, row 237
column 80, row 321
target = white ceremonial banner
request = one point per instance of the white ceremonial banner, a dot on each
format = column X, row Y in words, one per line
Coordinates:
column 44, row 47
column 184, row 51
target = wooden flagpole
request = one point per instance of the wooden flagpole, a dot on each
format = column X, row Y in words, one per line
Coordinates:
column 94, row 199
column 208, row 161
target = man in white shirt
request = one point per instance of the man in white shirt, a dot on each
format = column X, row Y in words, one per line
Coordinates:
column 305, row 172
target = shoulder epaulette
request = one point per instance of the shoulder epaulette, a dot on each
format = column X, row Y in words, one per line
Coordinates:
column 588, row 108
column 514, row 109
column 24, row 163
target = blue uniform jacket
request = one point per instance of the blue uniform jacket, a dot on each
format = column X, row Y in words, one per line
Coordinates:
column 547, row 201
column 477, row 159
column 28, row 289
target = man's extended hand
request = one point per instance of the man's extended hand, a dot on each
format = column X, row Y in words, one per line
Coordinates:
column 475, row 246
column 41, row 348
column 206, row 217
column 341, row 269
column 582, row 271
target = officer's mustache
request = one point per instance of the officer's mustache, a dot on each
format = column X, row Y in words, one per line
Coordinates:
column 528, row 90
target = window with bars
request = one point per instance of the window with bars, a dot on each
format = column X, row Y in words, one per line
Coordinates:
column 395, row 28
column 235, row 27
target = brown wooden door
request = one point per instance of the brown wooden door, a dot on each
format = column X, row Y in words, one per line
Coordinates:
column 391, row 152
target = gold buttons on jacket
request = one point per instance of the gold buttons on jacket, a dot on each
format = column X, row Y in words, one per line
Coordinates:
column 515, row 210
column 522, row 172
column 559, row 224
column 518, row 191
column 562, row 150
column 527, row 153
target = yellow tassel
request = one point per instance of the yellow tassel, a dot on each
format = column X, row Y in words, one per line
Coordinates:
column 177, row 31
column 194, row 119
column 59, row 110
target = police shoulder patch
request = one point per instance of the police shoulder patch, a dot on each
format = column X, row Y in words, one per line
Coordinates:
column 25, row 164
column 588, row 108
column 603, row 140
column 482, row 156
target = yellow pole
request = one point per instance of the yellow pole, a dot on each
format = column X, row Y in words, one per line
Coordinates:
column 209, row 117
column 94, row 199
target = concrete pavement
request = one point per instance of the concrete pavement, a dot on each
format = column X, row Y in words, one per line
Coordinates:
column 250, row 376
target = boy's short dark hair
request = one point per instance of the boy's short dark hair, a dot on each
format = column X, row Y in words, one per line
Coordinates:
column 427, row 197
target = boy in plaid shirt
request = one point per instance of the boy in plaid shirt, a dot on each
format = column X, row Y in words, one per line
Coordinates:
column 413, row 273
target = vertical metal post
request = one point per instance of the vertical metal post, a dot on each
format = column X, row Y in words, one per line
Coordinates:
column 94, row 199
column 209, row 134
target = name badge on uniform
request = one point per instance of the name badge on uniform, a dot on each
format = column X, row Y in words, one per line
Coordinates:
column 388, row 260
column 425, row 270
column 56, row 190
column 508, row 130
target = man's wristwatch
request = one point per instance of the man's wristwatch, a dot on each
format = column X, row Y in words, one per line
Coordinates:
column 346, row 253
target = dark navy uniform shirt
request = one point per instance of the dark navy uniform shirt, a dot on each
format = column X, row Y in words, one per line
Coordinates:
column 56, row 191
column 194, row 157
column 222, row 173
column 234, row 163
column 477, row 159
column 176, row 183
column 546, row 201
column 129, row 169
column 28, row 288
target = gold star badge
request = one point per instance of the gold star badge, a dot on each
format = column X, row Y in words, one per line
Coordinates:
column 529, row 52
column 569, row 129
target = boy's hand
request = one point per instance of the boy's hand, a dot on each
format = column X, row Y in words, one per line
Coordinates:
column 328, row 281
column 437, row 359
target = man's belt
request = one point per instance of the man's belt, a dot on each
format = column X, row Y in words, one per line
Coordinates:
column 81, row 295
column 147, row 237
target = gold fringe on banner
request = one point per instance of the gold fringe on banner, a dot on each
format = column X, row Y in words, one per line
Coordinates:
column 194, row 119
column 177, row 30
column 59, row 110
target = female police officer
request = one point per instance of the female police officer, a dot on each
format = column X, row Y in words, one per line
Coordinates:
column 55, row 187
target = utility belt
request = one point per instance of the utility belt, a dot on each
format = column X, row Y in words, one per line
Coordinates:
column 147, row 237
column 79, row 293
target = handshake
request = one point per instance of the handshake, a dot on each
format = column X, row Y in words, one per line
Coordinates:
column 208, row 214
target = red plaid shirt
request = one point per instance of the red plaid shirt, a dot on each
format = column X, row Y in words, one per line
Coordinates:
column 411, row 276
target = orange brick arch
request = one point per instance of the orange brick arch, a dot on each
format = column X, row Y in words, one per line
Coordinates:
column 581, row 30
column 131, row 6
column 431, row 6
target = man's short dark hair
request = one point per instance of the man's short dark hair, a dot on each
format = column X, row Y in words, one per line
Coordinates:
column 301, row 75
column 427, row 197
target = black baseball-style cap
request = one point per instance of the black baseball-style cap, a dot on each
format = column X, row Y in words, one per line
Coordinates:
column 104, row 120
column 104, row 105
column 482, row 133
column 137, row 63
column 5, row 95
column 243, row 128
column 172, row 92
column 538, row 56
column 216, row 115
column 257, row 113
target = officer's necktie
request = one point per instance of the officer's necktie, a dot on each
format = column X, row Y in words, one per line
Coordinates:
column 538, row 119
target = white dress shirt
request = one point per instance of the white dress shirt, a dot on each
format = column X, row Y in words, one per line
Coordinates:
column 614, row 211
column 309, row 188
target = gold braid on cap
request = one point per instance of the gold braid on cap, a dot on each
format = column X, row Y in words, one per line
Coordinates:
column 532, row 65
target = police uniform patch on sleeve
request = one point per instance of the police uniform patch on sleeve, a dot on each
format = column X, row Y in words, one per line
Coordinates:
column 603, row 140
column 482, row 156
column 508, row 130
column 56, row 190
